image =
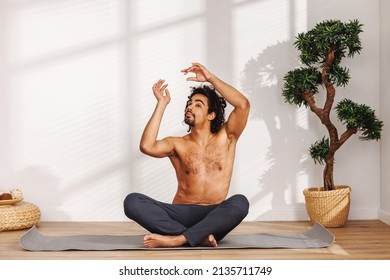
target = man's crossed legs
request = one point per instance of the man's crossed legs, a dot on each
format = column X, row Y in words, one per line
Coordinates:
column 174, row 225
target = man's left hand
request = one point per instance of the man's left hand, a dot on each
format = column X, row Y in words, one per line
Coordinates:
column 202, row 74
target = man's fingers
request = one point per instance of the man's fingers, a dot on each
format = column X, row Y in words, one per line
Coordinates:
column 195, row 67
column 163, row 88
column 190, row 69
column 160, row 91
column 158, row 84
column 155, row 86
column 167, row 93
column 185, row 71
column 200, row 67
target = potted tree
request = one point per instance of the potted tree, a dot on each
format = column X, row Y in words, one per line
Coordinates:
column 321, row 51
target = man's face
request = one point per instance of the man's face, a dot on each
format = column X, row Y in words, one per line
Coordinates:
column 196, row 109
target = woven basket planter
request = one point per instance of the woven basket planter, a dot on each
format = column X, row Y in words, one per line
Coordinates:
column 19, row 216
column 330, row 208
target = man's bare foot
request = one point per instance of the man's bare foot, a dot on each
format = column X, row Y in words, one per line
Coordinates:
column 157, row 241
column 209, row 241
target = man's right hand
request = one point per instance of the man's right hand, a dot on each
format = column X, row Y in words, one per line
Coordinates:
column 161, row 92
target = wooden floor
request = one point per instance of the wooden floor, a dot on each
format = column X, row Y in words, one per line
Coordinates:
column 364, row 240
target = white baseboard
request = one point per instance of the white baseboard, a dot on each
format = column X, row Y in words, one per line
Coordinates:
column 301, row 215
column 363, row 214
column 384, row 216
column 82, row 216
column 278, row 215
column 271, row 215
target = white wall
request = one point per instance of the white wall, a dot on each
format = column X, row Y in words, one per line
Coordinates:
column 384, row 213
column 75, row 80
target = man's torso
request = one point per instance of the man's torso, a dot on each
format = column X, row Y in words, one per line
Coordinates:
column 203, row 172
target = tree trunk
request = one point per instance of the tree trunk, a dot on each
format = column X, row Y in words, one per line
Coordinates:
column 325, row 119
column 328, row 173
column 324, row 115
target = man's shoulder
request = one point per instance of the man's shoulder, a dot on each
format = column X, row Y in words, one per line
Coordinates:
column 181, row 142
column 177, row 139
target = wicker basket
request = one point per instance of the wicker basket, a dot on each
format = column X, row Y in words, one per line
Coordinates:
column 330, row 208
column 19, row 216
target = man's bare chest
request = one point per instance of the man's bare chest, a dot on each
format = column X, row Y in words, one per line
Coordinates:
column 209, row 161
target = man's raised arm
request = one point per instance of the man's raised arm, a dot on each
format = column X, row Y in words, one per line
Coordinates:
column 149, row 143
column 239, row 116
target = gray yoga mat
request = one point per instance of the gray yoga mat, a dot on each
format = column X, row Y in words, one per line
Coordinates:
column 316, row 237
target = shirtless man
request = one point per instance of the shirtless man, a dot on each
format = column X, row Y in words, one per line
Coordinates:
column 203, row 160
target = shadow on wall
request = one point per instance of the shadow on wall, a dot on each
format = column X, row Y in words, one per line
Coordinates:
column 262, row 80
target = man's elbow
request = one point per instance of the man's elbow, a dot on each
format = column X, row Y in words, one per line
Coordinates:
column 245, row 104
column 144, row 148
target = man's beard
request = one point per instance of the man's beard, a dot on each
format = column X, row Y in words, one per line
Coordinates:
column 190, row 122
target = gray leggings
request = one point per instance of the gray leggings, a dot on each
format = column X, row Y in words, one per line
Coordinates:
column 195, row 222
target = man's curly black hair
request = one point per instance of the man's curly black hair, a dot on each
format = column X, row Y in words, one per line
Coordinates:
column 216, row 103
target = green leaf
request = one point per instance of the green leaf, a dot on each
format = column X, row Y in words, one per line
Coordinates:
column 360, row 117
column 338, row 75
column 319, row 150
column 297, row 81
column 315, row 44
